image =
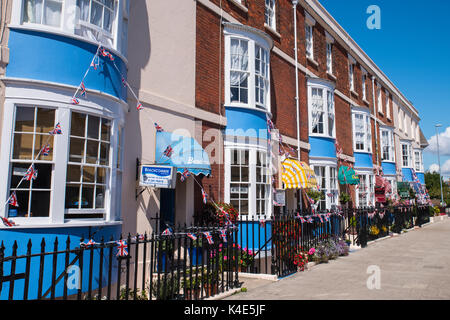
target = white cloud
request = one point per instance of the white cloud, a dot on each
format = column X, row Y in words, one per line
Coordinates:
column 444, row 143
column 445, row 168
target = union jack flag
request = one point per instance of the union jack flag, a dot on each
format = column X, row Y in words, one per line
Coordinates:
column 7, row 222
column 13, row 200
column 56, row 130
column 83, row 89
column 302, row 220
column 309, row 219
column 139, row 106
column 46, row 150
column 184, row 175
column 204, row 196
column 208, row 237
column 75, row 101
column 168, row 152
column 320, row 218
column 91, row 242
column 167, row 232
column 122, row 248
column 262, row 223
column 192, row 236
column 103, row 52
column 31, row 173
column 95, row 63
column 158, row 128
column 124, row 82
column 223, row 234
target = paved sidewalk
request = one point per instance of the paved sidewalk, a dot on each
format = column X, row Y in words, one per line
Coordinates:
column 414, row 265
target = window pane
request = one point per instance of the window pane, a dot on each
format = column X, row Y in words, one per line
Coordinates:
column 244, row 174
column 88, row 174
column 40, row 204
column 106, row 130
column 104, row 154
column 76, row 150
column 107, row 21
column 101, row 175
column 244, row 207
column 45, row 120
column 96, row 13
column 84, row 9
column 32, row 11
column 100, row 197
column 92, row 151
column 18, row 171
column 24, row 119
column 52, row 13
column 44, row 177
column 72, row 196
column 22, row 210
column 23, row 145
column 78, row 124
column 235, row 174
column 87, row 197
column 41, row 141
column 93, row 127
column 73, row 173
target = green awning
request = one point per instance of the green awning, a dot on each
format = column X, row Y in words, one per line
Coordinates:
column 347, row 176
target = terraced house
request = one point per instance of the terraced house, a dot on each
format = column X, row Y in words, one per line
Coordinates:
column 259, row 98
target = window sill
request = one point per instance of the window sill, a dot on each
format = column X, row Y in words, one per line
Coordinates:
column 239, row 5
column 353, row 92
column 272, row 31
column 332, row 76
column 381, row 113
column 312, row 61
column 366, row 102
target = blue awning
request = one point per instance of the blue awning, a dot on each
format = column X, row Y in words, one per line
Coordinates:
column 187, row 153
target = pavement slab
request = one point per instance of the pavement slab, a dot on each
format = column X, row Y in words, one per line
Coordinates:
column 414, row 265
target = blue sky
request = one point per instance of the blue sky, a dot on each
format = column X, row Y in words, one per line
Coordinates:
column 413, row 49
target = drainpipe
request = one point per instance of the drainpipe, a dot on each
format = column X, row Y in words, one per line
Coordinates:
column 376, row 120
column 294, row 7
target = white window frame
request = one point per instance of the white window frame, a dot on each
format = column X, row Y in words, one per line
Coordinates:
column 366, row 132
column 270, row 14
column 363, row 85
column 69, row 23
column 254, row 41
column 327, row 167
column 34, row 96
column 368, row 187
column 330, row 57
column 252, row 183
column 309, row 40
column 328, row 106
column 406, row 155
column 388, row 106
column 379, row 100
column 390, row 145
column 418, row 160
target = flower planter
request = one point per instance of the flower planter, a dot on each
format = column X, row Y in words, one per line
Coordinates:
column 211, row 289
column 192, row 294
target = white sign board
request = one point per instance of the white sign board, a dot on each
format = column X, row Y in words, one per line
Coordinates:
column 158, row 176
column 280, row 197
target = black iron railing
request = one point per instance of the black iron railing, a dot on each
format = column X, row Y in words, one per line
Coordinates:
column 149, row 267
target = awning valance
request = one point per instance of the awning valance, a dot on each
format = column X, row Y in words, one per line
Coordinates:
column 297, row 174
column 181, row 152
column 347, row 176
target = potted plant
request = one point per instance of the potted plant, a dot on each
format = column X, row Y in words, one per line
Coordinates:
column 210, row 282
column 246, row 258
column 344, row 198
column 315, row 195
column 301, row 260
column 219, row 213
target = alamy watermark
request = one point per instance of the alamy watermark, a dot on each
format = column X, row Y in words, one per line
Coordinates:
column 374, row 20
column 374, row 280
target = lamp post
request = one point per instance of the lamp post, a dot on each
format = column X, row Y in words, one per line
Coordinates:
column 439, row 162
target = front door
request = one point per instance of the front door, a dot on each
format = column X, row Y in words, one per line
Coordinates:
column 167, row 207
